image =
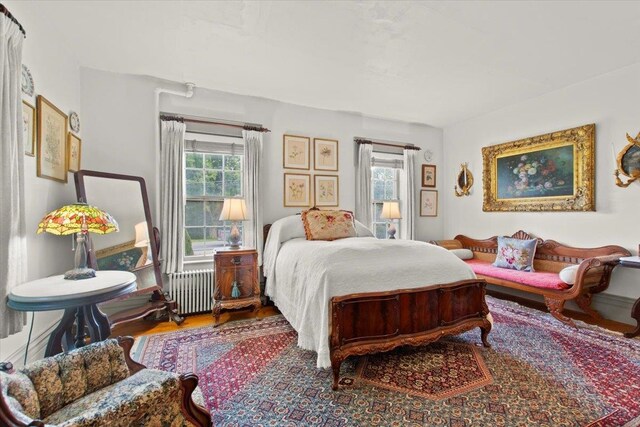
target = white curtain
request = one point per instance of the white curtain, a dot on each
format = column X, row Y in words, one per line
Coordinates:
column 13, row 243
column 172, row 197
column 407, row 195
column 252, row 192
column 364, row 210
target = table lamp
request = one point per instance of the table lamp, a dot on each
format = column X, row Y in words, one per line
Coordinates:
column 234, row 210
column 78, row 218
column 391, row 211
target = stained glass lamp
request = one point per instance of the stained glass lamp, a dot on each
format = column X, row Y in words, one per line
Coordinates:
column 78, row 218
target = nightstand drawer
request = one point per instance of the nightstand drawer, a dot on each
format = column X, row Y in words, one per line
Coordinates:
column 234, row 260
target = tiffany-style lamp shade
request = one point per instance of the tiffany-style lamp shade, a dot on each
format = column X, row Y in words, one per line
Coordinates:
column 78, row 218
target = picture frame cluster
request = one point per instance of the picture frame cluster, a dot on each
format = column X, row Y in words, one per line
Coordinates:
column 297, row 155
column 429, row 198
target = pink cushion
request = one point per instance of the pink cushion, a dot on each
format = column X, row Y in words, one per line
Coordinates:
column 539, row 279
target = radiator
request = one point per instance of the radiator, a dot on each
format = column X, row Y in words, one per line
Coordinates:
column 192, row 290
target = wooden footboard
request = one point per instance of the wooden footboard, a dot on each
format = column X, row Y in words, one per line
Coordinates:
column 380, row 321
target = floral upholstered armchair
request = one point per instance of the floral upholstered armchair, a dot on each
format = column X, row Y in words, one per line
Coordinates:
column 98, row 385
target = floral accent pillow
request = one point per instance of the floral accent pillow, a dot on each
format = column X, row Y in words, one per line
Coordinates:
column 328, row 225
column 515, row 254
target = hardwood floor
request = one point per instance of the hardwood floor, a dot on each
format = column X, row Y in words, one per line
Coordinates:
column 146, row 327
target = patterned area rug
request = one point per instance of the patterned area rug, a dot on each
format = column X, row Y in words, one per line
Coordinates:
column 538, row 372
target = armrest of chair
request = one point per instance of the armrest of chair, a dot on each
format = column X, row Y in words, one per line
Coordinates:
column 194, row 412
column 126, row 343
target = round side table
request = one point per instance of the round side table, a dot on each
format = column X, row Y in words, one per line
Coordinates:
column 78, row 299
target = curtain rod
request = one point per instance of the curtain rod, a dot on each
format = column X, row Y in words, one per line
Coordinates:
column 8, row 14
column 211, row 122
column 386, row 144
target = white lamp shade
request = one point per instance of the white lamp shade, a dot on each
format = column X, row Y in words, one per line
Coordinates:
column 390, row 210
column 142, row 235
column 234, row 210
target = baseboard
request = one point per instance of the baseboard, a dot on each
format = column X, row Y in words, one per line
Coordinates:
column 612, row 307
column 37, row 347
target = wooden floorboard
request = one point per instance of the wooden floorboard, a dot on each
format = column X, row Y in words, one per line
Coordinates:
column 146, row 327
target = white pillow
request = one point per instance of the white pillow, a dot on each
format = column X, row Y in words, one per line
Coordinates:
column 462, row 253
column 568, row 274
column 362, row 230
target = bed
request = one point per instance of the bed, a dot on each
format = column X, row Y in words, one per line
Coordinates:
column 363, row 295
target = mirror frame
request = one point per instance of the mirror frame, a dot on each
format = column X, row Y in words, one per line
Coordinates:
column 81, row 194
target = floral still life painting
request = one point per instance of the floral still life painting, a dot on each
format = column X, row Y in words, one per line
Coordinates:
column 326, row 190
column 550, row 172
column 296, row 190
column 295, row 152
column 536, row 174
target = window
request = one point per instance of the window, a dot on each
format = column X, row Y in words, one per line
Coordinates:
column 211, row 175
column 384, row 185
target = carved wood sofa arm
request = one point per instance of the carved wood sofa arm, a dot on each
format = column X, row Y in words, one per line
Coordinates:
column 595, row 272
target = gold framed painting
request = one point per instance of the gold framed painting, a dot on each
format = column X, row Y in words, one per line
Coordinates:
column 550, row 172
column 297, row 190
column 52, row 141
column 325, row 154
column 428, row 202
column 74, row 152
column 296, row 152
column 29, row 128
column 326, row 190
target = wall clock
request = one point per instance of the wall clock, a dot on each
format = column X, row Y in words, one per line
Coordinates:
column 27, row 81
column 74, row 121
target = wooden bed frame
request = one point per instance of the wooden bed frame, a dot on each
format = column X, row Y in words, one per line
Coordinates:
column 374, row 322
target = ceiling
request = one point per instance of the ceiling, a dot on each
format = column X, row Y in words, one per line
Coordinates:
column 429, row 62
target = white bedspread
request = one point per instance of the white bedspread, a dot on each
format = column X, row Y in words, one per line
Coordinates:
column 303, row 275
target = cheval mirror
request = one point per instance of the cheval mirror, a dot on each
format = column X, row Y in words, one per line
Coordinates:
column 134, row 248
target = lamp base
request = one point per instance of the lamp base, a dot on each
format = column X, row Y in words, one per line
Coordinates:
column 80, row 274
column 234, row 237
column 391, row 231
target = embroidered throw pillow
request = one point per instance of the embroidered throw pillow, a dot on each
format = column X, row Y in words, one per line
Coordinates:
column 328, row 225
column 515, row 254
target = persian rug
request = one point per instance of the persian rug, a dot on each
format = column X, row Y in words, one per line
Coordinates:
column 538, row 372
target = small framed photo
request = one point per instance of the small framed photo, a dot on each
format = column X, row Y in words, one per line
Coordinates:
column 429, row 176
column 297, row 190
column 428, row 202
column 325, row 154
column 29, row 128
column 326, row 190
column 74, row 151
column 52, row 141
column 296, row 152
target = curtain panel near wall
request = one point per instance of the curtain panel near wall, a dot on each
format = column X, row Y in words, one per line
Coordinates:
column 172, row 196
column 364, row 209
column 13, row 233
column 252, row 191
column 407, row 195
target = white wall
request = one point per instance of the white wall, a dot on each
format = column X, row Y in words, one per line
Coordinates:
column 57, row 77
column 611, row 102
column 120, row 127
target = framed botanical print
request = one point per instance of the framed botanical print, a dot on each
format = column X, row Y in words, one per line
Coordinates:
column 29, row 128
column 429, row 176
column 295, row 152
column 74, row 151
column 428, row 202
column 551, row 172
column 297, row 190
column 326, row 190
column 52, row 141
column 325, row 154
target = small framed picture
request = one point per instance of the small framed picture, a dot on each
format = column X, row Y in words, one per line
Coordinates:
column 326, row 190
column 295, row 152
column 297, row 190
column 325, row 154
column 29, row 128
column 429, row 176
column 74, row 151
column 428, row 202
column 51, row 133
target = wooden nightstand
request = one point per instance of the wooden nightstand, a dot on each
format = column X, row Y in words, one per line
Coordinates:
column 240, row 266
